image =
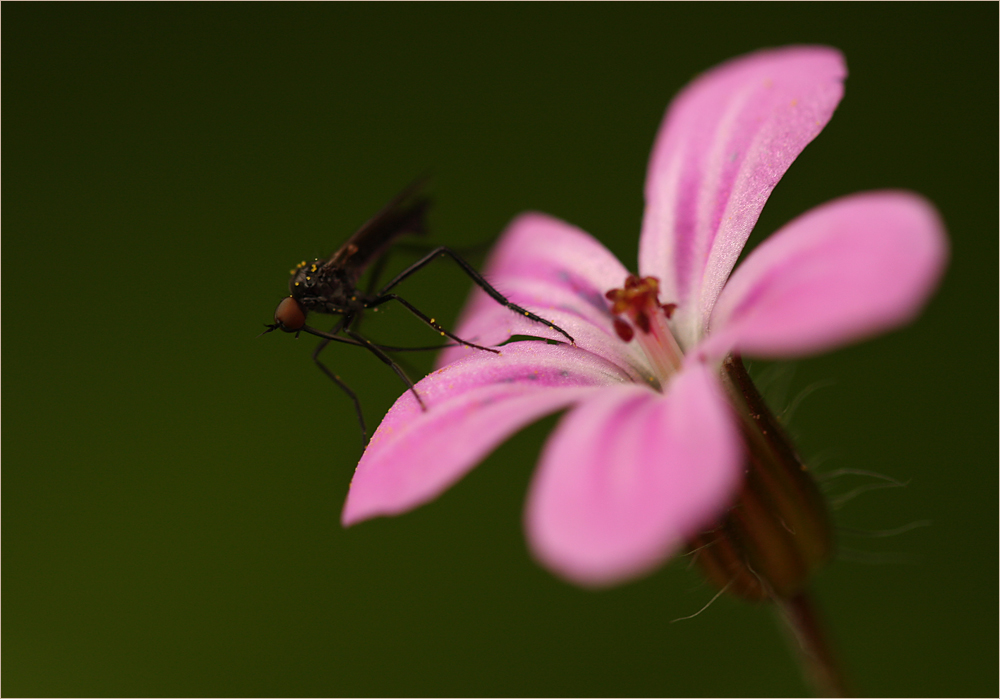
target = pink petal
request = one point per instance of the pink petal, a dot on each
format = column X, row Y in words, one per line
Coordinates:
column 851, row 268
column 630, row 474
column 558, row 272
column 473, row 405
column 726, row 141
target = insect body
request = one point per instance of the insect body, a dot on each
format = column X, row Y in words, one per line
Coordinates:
column 330, row 286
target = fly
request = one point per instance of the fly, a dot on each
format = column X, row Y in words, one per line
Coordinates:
column 330, row 286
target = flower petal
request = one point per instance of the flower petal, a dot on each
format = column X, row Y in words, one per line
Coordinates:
column 558, row 272
column 630, row 474
column 473, row 405
column 851, row 268
column 726, row 141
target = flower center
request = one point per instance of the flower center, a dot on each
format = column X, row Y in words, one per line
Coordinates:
column 636, row 306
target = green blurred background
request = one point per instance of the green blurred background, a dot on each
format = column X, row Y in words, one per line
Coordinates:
column 172, row 484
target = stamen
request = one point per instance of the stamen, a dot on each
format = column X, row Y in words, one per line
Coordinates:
column 623, row 329
column 638, row 301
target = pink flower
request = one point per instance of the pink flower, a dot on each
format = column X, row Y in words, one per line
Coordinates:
column 649, row 453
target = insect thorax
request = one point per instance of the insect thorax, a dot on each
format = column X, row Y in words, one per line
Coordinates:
column 323, row 290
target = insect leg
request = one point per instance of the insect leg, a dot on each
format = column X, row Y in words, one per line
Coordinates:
column 356, row 339
column 337, row 380
column 478, row 279
column 340, row 382
column 374, row 349
column 427, row 319
column 386, row 348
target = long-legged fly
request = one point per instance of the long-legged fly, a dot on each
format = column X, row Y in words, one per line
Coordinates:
column 330, row 286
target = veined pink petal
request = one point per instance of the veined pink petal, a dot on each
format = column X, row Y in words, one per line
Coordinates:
column 726, row 141
column 552, row 269
column 851, row 268
column 630, row 474
column 473, row 405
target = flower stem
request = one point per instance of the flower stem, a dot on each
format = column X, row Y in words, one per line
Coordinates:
column 776, row 534
column 818, row 662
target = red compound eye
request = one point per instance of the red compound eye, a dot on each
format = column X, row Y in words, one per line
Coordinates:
column 289, row 315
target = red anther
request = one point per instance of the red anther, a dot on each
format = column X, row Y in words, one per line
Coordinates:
column 636, row 300
column 619, row 300
column 635, row 282
column 668, row 309
column 642, row 320
column 623, row 329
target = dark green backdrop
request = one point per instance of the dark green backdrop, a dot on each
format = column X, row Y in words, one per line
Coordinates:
column 172, row 485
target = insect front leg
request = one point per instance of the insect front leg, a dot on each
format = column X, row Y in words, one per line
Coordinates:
column 478, row 279
column 356, row 339
column 374, row 349
column 340, row 382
